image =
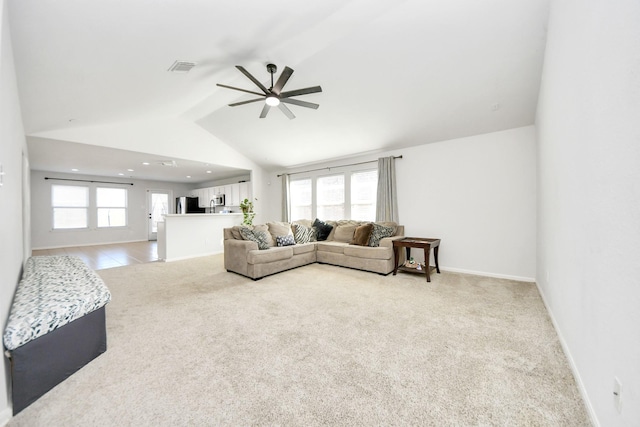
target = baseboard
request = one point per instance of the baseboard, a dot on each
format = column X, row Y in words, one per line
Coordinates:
column 574, row 369
column 88, row 244
column 182, row 258
column 5, row 416
column 484, row 273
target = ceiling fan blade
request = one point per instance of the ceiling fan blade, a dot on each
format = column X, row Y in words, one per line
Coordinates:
column 282, row 80
column 286, row 111
column 235, row 104
column 237, row 88
column 265, row 111
column 300, row 103
column 253, row 79
column 304, row 91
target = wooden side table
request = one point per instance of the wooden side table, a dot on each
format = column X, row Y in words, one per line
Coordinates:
column 417, row 242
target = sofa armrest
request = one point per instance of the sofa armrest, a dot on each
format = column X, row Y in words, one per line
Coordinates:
column 236, row 253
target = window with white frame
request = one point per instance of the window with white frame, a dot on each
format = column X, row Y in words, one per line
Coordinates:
column 70, row 206
column 111, row 205
column 364, row 188
column 330, row 197
column 300, row 194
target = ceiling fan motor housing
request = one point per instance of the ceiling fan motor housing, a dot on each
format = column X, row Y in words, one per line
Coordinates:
column 272, row 68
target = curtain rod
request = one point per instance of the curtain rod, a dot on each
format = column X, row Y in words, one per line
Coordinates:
column 333, row 167
column 87, row 180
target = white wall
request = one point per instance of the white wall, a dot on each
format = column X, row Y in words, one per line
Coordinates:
column 477, row 194
column 41, row 215
column 589, row 197
column 12, row 147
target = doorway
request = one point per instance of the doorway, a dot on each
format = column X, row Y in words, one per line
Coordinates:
column 158, row 204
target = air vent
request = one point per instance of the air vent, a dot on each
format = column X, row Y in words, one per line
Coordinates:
column 168, row 163
column 181, row 67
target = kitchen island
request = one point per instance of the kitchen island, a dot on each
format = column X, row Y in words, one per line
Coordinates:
column 183, row 236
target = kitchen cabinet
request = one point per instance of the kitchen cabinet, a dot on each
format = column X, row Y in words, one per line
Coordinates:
column 232, row 194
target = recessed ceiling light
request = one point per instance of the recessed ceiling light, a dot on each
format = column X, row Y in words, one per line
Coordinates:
column 130, row 170
column 208, row 171
column 188, row 176
column 146, row 163
column 74, row 170
column 121, row 174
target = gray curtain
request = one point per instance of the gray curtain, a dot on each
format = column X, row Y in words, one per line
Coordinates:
column 286, row 199
column 387, row 199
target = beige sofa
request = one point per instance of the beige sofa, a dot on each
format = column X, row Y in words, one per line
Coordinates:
column 243, row 256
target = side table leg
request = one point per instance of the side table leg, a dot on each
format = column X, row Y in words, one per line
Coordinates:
column 427, row 249
column 396, row 252
column 435, row 256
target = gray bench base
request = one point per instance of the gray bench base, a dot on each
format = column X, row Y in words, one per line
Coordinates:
column 41, row 364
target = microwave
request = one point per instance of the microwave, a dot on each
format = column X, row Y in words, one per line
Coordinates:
column 218, row 200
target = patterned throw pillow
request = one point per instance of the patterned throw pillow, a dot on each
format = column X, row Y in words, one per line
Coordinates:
column 378, row 233
column 260, row 237
column 287, row 240
column 322, row 229
column 303, row 234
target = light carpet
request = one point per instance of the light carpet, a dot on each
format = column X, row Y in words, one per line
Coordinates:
column 190, row 344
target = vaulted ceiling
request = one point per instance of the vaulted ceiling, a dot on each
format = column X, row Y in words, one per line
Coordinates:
column 394, row 74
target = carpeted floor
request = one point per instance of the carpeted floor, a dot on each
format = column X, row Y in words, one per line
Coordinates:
column 190, row 344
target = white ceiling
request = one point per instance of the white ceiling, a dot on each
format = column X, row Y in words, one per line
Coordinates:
column 393, row 73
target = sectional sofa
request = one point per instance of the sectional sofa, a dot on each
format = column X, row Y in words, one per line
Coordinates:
column 258, row 257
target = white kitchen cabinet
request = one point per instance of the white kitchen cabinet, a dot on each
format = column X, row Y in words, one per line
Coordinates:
column 231, row 192
column 218, row 190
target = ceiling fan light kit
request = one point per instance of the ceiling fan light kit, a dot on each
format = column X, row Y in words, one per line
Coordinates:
column 274, row 96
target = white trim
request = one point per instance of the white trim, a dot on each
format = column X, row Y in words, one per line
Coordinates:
column 90, row 244
column 483, row 273
column 191, row 256
column 5, row 416
column 574, row 369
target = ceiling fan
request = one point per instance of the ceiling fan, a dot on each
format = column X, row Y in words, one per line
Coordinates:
column 274, row 97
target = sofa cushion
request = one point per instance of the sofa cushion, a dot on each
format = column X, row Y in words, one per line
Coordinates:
column 279, row 229
column 335, row 247
column 303, row 248
column 260, row 237
column 362, row 234
column 344, row 233
column 379, row 232
column 235, row 232
column 322, row 229
column 368, row 252
column 285, row 240
column 272, row 255
column 303, row 233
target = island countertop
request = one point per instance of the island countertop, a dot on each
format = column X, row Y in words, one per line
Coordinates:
column 182, row 236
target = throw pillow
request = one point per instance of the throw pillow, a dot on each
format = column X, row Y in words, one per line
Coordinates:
column 260, row 237
column 322, row 229
column 303, row 234
column 379, row 232
column 279, row 229
column 362, row 234
column 265, row 228
column 344, row 233
column 286, row 240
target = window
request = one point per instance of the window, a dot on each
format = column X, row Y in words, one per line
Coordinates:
column 111, row 204
column 70, row 206
column 331, row 197
column 300, row 194
column 364, row 189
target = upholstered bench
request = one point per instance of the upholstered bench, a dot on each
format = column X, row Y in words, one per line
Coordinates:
column 56, row 325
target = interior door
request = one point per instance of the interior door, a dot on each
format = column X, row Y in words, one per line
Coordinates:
column 158, row 204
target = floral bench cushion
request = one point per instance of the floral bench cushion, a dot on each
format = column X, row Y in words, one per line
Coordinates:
column 54, row 291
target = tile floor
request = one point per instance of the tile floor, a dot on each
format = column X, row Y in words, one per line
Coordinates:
column 99, row 257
